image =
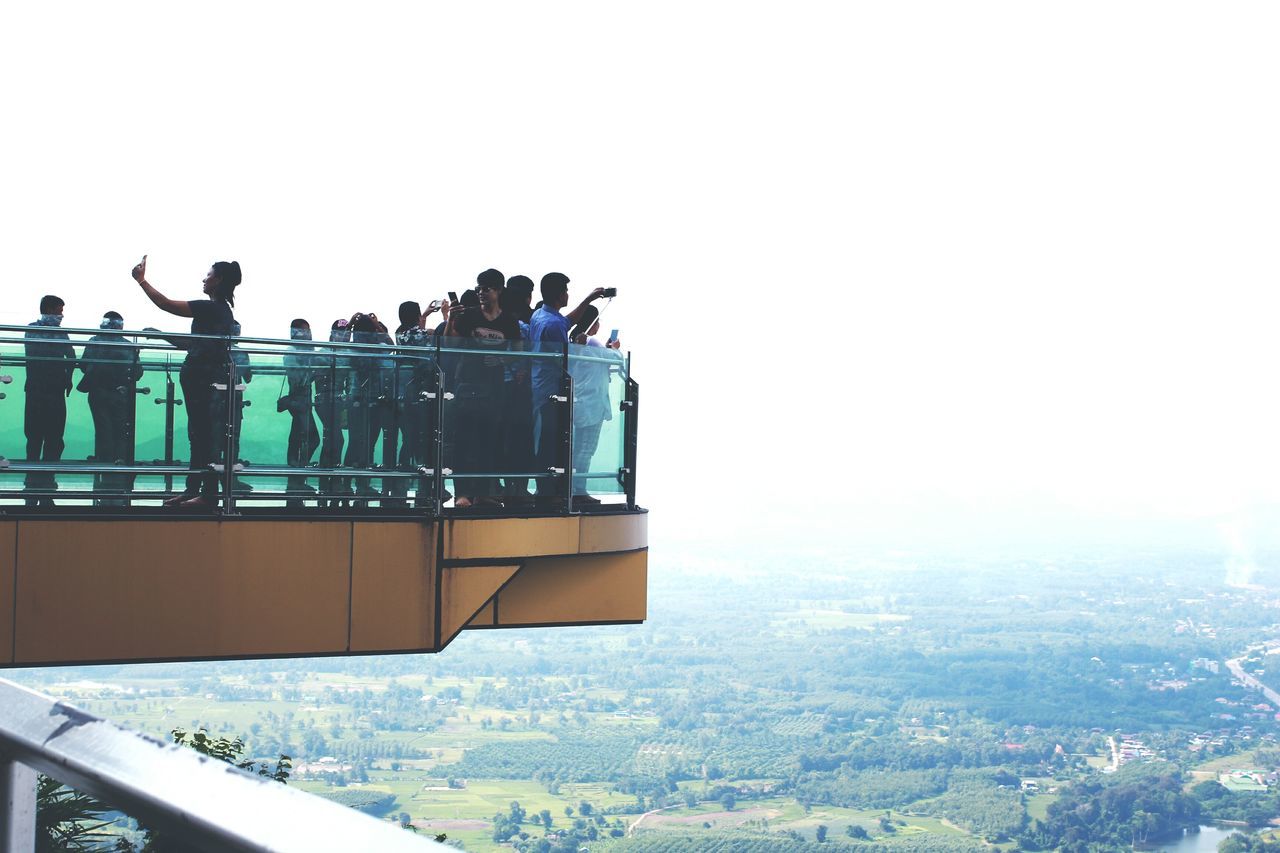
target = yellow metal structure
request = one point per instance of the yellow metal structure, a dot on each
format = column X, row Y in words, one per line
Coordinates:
column 150, row 589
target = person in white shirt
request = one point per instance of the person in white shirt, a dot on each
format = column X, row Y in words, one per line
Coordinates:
column 591, row 402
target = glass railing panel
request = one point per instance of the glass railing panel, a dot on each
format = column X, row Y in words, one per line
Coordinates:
column 371, row 424
column 414, row 417
column 261, row 430
column 160, row 422
column 489, row 420
column 599, row 386
column 13, row 443
column 102, row 413
column 347, row 424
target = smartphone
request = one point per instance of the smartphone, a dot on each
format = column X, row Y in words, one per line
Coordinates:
column 453, row 297
column 434, row 306
column 613, row 336
column 610, row 292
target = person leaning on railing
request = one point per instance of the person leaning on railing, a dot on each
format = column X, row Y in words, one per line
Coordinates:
column 111, row 368
column 50, row 361
column 205, row 364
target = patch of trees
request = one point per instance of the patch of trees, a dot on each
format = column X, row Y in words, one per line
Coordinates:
column 871, row 789
column 1219, row 803
column 590, row 759
column 742, row 841
column 1140, row 804
column 983, row 808
column 362, row 799
column 1247, row 843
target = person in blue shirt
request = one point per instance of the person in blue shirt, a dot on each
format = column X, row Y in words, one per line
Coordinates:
column 549, row 333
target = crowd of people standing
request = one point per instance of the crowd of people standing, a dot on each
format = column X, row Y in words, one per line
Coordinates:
column 374, row 386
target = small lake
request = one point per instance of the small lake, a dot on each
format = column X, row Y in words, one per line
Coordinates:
column 1204, row 841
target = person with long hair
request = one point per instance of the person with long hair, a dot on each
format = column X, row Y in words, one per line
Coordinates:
column 206, row 363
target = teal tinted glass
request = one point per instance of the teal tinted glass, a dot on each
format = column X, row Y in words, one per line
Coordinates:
column 76, row 399
column 160, row 434
column 359, row 424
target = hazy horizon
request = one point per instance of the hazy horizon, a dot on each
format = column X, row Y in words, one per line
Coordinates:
column 956, row 269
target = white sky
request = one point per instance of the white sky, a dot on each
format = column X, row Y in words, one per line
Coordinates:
column 875, row 260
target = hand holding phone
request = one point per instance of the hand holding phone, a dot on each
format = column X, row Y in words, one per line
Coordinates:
column 613, row 336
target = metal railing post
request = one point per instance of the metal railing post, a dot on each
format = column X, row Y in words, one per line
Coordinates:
column 565, row 412
column 170, row 401
column 17, row 806
column 630, row 437
column 228, row 456
column 437, row 442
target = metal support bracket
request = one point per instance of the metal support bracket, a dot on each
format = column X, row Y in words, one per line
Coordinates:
column 17, row 806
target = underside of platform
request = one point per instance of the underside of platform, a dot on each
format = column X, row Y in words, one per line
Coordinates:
column 86, row 591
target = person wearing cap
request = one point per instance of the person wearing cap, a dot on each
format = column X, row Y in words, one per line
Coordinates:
column 111, row 369
column 549, row 333
column 50, row 361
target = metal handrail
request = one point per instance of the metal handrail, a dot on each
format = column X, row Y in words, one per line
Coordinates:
column 200, row 801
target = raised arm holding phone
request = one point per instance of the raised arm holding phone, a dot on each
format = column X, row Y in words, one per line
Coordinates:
column 205, row 364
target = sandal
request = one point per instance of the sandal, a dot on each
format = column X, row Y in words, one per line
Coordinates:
column 462, row 503
column 177, row 500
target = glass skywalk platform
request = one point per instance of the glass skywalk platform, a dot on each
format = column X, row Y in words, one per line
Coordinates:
column 344, row 538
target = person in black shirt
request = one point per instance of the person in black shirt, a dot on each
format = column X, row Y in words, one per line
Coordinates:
column 111, row 369
column 206, row 363
column 50, row 362
column 480, row 390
